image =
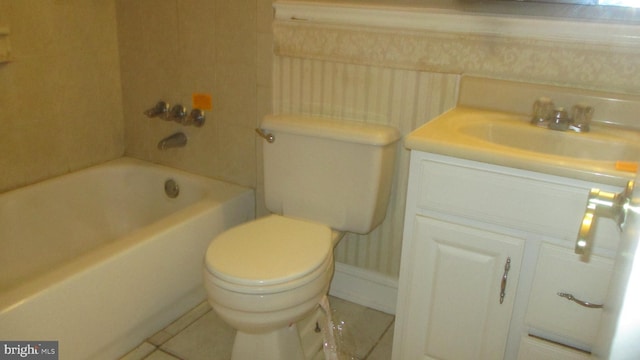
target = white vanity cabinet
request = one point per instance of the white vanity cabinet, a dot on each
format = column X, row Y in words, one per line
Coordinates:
column 486, row 250
column 457, row 309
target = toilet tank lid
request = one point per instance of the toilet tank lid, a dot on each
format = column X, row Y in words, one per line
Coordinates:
column 332, row 128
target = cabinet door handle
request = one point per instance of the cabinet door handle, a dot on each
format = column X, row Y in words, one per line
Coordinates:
column 587, row 304
column 503, row 284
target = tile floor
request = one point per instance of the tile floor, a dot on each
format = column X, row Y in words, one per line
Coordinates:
column 200, row 334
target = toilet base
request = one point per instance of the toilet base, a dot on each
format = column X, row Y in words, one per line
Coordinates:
column 281, row 344
column 305, row 332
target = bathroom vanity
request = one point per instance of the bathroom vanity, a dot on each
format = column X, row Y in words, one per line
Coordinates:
column 488, row 268
column 469, row 225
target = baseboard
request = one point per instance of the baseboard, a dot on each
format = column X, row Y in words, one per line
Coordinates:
column 365, row 287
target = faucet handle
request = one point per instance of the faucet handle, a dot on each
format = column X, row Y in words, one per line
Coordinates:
column 177, row 113
column 196, row 117
column 159, row 110
column 581, row 117
column 542, row 111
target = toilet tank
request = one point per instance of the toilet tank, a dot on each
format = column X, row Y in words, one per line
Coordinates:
column 333, row 171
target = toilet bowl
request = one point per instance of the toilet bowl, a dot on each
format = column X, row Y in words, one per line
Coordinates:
column 265, row 275
column 322, row 177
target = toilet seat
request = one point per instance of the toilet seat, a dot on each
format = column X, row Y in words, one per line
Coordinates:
column 273, row 252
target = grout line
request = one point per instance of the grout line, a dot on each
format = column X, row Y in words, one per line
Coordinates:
column 181, row 324
column 159, row 341
column 133, row 353
column 165, row 352
column 170, row 353
column 389, row 327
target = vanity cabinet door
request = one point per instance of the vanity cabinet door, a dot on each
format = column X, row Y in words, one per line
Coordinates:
column 455, row 306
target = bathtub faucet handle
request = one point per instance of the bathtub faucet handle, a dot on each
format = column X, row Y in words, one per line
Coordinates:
column 178, row 113
column 158, row 110
column 196, row 117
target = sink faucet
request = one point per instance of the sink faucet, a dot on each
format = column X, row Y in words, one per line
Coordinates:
column 545, row 115
column 176, row 140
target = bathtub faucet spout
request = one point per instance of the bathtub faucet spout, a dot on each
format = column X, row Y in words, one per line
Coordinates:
column 176, row 140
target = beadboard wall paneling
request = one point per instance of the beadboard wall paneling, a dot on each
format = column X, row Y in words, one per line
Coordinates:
column 405, row 99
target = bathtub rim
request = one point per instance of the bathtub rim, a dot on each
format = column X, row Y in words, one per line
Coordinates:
column 16, row 295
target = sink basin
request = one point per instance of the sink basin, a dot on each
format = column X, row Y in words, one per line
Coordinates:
column 520, row 135
column 510, row 140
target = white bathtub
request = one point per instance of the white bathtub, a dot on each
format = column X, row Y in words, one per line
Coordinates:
column 101, row 258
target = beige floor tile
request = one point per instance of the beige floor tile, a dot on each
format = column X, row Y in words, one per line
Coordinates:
column 139, row 353
column 161, row 355
column 200, row 334
column 180, row 324
column 358, row 328
column 160, row 337
column 382, row 351
column 207, row 338
column 187, row 319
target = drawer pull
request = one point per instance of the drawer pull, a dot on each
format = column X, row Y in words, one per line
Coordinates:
column 503, row 284
column 580, row 302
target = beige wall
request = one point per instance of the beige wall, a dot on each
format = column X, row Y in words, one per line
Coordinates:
column 60, row 100
column 173, row 48
column 63, row 105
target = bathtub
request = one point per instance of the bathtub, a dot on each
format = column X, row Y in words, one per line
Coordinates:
column 102, row 258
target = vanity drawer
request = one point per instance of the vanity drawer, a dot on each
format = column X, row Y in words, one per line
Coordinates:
column 537, row 349
column 486, row 194
column 560, row 270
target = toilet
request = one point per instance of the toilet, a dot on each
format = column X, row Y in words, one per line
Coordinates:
column 322, row 177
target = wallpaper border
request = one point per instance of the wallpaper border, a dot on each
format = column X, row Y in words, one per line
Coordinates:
column 565, row 63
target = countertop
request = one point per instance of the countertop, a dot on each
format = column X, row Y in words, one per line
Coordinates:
column 445, row 135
